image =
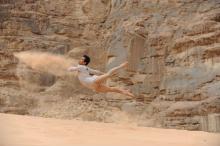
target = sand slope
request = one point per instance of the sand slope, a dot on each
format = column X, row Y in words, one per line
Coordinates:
column 34, row 131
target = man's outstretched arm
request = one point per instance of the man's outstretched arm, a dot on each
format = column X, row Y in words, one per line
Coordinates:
column 96, row 72
column 73, row 68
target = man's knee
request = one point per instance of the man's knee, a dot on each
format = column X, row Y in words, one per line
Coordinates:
column 99, row 88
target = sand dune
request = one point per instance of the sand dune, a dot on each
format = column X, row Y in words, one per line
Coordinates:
column 34, row 131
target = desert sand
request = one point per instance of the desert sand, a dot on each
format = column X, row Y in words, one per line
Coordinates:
column 35, row 131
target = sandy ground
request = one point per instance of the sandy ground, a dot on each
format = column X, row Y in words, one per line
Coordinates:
column 34, row 131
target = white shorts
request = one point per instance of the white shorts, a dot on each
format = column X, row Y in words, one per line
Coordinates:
column 89, row 81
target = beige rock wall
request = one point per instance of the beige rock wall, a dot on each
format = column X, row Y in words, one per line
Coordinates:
column 168, row 45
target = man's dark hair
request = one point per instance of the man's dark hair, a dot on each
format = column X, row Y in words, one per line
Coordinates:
column 86, row 59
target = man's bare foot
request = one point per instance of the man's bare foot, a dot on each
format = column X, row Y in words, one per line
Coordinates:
column 124, row 64
column 128, row 93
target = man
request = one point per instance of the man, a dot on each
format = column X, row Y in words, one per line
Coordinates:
column 97, row 79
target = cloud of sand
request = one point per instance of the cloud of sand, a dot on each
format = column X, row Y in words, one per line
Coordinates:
column 46, row 62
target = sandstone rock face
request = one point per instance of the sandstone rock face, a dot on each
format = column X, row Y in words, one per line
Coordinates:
column 172, row 46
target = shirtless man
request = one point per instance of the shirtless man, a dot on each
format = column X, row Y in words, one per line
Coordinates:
column 97, row 79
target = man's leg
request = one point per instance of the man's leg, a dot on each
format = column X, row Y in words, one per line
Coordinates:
column 103, row 88
column 103, row 78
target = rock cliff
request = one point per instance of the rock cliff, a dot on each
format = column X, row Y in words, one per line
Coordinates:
column 173, row 49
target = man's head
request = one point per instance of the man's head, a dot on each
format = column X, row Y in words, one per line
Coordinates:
column 84, row 60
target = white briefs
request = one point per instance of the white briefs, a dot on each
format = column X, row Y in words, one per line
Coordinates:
column 84, row 75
